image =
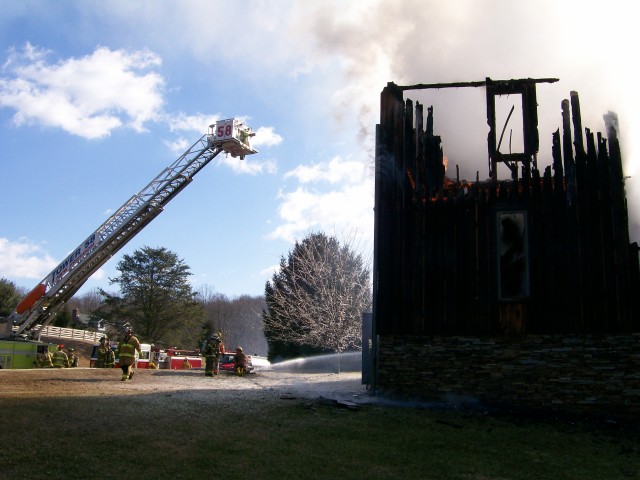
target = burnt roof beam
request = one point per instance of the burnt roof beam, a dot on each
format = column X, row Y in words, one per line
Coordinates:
column 503, row 87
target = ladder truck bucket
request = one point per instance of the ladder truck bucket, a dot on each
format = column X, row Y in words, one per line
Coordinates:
column 232, row 136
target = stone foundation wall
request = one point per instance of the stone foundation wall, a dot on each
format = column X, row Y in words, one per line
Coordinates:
column 575, row 374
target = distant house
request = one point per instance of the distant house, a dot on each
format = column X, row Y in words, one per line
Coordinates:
column 86, row 321
column 97, row 324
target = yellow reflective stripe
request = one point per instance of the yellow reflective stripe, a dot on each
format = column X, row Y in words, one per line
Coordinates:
column 59, row 359
column 127, row 350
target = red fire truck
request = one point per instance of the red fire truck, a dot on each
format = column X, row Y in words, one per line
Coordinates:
column 175, row 359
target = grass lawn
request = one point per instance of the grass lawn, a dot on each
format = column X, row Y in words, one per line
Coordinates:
column 169, row 436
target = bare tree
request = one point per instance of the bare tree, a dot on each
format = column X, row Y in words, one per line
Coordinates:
column 89, row 302
column 318, row 296
column 238, row 319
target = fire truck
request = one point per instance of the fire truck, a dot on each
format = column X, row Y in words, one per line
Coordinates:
column 171, row 358
column 176, row 359
column 20, row 332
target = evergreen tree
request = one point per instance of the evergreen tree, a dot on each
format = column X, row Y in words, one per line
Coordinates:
column 155, row 298
column 315, row 301
column 62, row 318
column 9, row 297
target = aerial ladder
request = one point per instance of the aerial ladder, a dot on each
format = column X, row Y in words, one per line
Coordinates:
column 37, row 308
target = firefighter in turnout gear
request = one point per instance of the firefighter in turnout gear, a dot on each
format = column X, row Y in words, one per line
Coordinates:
column 72, row 358
column 44, row 359
column 60, row 358
column 240, row 362
column 105, row 358
column 110, row 359
column 127, row 353
column 212, row 353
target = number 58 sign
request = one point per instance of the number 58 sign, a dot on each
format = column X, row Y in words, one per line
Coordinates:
column 224, row 129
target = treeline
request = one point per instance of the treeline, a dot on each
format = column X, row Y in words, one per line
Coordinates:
column 312, row 304
column 238, row 318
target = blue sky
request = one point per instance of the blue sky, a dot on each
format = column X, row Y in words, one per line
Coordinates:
column 96, row 98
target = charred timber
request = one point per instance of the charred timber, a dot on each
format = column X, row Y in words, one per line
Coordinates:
column 439, row 241
column 483, row 83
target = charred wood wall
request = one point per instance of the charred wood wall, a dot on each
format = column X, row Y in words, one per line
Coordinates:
column 438, row 243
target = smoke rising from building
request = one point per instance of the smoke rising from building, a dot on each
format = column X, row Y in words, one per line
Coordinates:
column 587, row 45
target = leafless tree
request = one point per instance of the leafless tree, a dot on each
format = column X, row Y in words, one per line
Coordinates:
column 89, row 302
column 238, row 319
column 318, row 296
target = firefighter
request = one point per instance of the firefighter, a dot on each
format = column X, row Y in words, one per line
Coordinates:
column 212, row 352
column 43, row 360
column 110, row 359
column 102, row 353
column 127, row 353
column 59, row 358
column 72, row 358
column 240, row 361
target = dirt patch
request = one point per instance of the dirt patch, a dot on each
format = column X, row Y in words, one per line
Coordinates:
column 310, row 379
column 82, row 349
column 89, row 382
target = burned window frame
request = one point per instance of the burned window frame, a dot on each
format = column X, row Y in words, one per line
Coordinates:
column 519, row 247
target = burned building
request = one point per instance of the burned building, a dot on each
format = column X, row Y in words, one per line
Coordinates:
column 521, row 291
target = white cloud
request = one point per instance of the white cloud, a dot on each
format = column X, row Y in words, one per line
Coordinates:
column 98, row 274
column 335, row 171
column 348, row 206
column 178, row 146
column 88, row 96
column 249, row 165
column 24, row 259
column 198, row 122
column 348, row 209
column 266, row 136
column 269, row 271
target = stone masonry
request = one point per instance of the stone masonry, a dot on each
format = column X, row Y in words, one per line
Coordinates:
column 585, row 374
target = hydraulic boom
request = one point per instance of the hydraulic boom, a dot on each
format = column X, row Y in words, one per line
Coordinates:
column 36, row 309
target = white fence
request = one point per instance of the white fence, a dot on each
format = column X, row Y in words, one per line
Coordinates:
column 72, row 334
